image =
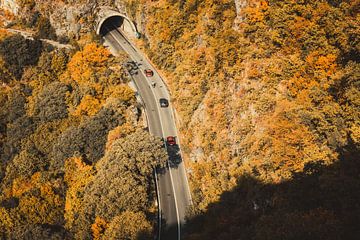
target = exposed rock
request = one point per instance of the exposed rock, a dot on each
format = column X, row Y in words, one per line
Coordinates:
column 10, row 5
column 240, row 5
column 71, row 18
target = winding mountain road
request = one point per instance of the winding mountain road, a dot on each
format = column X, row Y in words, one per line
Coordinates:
column 173, row 188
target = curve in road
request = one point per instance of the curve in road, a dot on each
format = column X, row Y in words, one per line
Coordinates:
column 174, row 193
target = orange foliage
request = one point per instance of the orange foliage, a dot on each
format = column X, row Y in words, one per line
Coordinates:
column 4, row 33
column 282, row 146
column 89, row 106
column 255, row 12
column 122, row 91
column 77, row 176
column 315, row 72
column 119, row 132
column 98, row 228
column 21, row 185
column 86, row 63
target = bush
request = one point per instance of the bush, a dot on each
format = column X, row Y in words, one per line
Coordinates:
column 25, row 164
column 37, row 231
column 50, row 103
column 15, row 106
column 88, row 139
column 19, row 52
column 16, row 131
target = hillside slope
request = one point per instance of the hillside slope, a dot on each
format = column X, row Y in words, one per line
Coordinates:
column 264, row 90
column 76, row 162
column 267, row 99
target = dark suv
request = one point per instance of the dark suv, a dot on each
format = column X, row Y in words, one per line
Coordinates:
column 164, row 102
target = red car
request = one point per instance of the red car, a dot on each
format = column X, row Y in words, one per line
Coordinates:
column 148, row 72
column 171, row 140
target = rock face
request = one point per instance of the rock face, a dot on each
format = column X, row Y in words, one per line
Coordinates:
column 10, row 5
column 70, row 18
column 240, row 5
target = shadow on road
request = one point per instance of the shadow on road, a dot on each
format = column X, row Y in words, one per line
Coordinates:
column 168, row 231
column 174, row 156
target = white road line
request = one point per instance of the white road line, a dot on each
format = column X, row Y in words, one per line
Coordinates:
column 179, row 143
column 162, row 128
column 171, row 177
column 172, row 115
column 159, row 202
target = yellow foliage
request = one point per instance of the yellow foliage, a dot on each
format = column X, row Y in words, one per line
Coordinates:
column 98, row 228
column 6, row 221
column 84, row 65
column 89, row 106
column 21, row 185
column 77, row 176
column 119, row 132
column 128, row 225
column 123, row 92
column 355, row 133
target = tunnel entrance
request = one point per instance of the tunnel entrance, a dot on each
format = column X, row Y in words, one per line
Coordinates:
column 113, row 20
column 111, row 23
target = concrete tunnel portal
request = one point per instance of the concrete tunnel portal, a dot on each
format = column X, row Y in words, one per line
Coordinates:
column 115, row 20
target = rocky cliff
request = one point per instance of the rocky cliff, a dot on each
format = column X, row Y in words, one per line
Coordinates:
column 70, row 18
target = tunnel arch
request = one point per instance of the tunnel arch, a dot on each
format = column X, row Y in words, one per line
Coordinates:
column 125, row 21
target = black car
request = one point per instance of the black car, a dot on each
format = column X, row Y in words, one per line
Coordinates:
column 164, row 102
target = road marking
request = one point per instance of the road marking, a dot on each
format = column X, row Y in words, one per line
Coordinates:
column 156, row 182
column 181, row 154
column 172, row 116
column 171, row 177
column 162, row 128
column 159, row 202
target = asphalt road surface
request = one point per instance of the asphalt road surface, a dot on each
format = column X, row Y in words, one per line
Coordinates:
column 174, row 193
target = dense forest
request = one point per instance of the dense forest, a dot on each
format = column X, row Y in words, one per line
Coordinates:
column 267, row 98
column 267, row 95
column 76, row 162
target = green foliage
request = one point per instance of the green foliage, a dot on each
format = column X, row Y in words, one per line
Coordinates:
column 16, row 131
column 15, row 105
column 25, row 164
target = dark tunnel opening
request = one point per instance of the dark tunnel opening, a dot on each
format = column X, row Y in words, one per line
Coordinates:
column 111, row 23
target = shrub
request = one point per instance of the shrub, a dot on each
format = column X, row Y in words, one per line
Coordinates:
column 19, row 52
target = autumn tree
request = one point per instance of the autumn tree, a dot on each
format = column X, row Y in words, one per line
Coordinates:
column 18, row 52
column 50, row 103
column 88, row 139
column 128, row 225
column 123, row 181
column 85, row 66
